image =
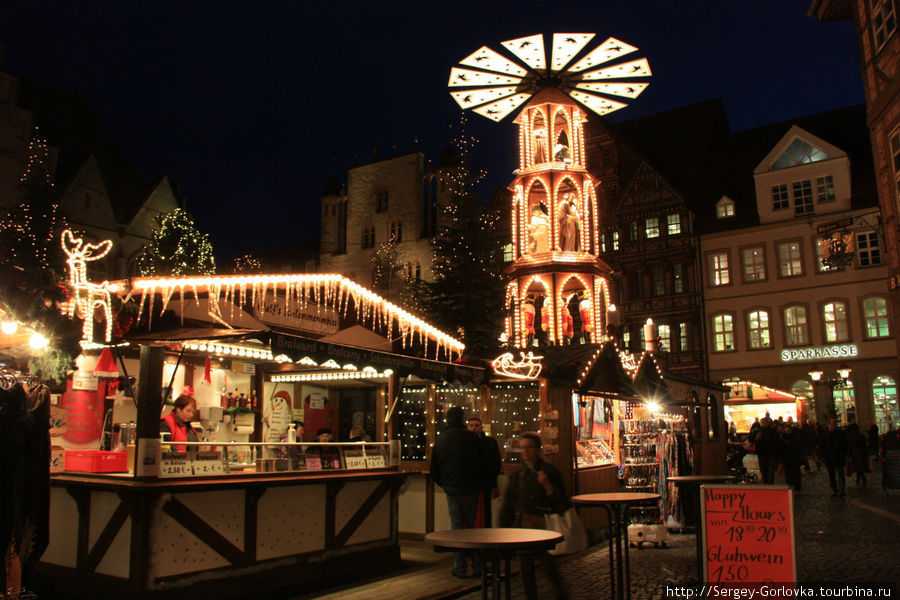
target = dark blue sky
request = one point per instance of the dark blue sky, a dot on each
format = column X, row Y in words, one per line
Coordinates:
column 252, row 106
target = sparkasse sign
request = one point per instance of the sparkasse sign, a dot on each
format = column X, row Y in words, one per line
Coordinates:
column 819, row 352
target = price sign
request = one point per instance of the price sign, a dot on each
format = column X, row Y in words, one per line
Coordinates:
column 748, row 533
column 354, row 459
column 58, row 421
column 313, row 462
column 208, row 463
column 175, row 464
column 375, row 461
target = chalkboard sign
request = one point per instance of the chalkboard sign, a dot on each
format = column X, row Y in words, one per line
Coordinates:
column 748, row 533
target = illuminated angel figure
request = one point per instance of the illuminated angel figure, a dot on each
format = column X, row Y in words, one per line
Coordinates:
column 539, row 230
column 540, row 146
column 568, row 224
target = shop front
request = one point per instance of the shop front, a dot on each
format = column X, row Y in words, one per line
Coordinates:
column 260, row 503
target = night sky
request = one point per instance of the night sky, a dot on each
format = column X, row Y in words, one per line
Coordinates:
column 253, row 106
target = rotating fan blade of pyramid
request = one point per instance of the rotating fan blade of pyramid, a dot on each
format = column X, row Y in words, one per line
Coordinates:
column 494, row 85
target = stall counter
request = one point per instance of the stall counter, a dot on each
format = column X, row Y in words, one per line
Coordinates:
column 234, row 537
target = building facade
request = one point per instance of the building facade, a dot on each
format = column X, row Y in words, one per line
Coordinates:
column 392, row 199
column 876, row 24
column 794, row 276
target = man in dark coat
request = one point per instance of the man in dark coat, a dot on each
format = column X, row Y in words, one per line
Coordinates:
column 490, row 468
column 768, row 449
column 834, row 452
column 456, row 466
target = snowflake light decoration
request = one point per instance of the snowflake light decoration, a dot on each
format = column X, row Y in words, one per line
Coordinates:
column 494, row 85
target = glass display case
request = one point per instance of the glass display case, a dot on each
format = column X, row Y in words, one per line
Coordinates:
column 594, row 442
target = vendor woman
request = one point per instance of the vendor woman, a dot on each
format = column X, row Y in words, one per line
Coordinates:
column 178, row 422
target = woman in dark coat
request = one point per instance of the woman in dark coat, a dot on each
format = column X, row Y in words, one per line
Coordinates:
column 533, row 490
column 859, row 453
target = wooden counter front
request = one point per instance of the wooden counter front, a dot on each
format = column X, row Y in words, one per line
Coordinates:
column 231, row 536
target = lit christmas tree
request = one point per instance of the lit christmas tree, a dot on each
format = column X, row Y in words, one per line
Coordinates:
column 32, row 265
column 467, row 293
column 247, row 264
column 177, row 248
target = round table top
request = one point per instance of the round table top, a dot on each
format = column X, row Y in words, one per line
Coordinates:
column 615, row 498
column 495, row 538
column 694, row 478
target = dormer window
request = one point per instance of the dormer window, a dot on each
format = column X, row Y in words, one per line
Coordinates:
column 725, row 208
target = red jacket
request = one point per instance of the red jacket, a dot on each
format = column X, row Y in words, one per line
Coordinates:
column 180, row 432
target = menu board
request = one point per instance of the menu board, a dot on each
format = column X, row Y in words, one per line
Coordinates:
column 748, row 533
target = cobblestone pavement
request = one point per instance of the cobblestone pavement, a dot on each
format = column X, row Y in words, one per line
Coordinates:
column 850, row 539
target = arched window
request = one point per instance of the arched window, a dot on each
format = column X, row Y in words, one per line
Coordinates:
column 844, row 404
column 834, row 315
column 723, row 332
column 876, row 318
column 758, row 329
column 712, row 417
column 796, row 330
column 884, row 396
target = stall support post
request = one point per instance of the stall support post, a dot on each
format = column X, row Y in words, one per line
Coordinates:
column 149, row 408
column 259, row 380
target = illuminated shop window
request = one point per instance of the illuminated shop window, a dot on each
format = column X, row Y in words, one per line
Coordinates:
column 844, row 404
column 754, row 264
column 723, row 332
column 868, row 251
column 790, row 263
column 876, row 317
column 803, row 387
column 718, row 269
column 796, row 328
column 758, row 329
column 834, row 315
column 884, row 395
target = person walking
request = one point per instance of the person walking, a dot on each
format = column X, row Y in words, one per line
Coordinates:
column 858, row 450
column 768, row 449
column 456, row 466
column 534, row 489
column 792, row 456
column 834, row 452
column 491, row 466
column 872, row 435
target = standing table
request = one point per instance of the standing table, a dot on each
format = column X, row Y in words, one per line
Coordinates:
column 616, row 506
column 696, row 480
column 494, row 544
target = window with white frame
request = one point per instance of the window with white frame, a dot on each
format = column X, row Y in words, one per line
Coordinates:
column 602, row 242
column 790, row 263
column 834, row 315
column 758, row 329
column 780, row 198
column 673, row 224
column 868, row 251
column 754, row 264
column 875, row 316
column 508, row 255
column 718, row 269
column 723, row 332
column 884, row 21
column 725, row 208
column 824, row 189
column 665, row 337
column 615, row 241
column 795, row 325
column 651, row 228
column 803, row 197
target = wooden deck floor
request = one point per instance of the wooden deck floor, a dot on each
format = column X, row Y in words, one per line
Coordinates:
column 427, row 575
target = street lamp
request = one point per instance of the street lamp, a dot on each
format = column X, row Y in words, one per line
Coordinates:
column 818, row 379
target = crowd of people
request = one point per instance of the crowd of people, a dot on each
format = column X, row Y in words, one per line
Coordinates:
column 791, row 447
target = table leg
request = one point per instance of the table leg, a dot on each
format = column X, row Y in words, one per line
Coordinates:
column 506, row 560
column 610, row 533
column 484, row 574
column 627, row 569
column 620, row 575
column 495, row 573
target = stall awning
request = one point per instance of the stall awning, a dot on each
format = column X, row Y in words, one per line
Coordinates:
column 589, row 368
column 296, row 348
column 183, row 334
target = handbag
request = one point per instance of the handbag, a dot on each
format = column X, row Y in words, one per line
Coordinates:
column 569, row 524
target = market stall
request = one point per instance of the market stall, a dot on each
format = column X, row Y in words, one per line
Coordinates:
column 748, row 401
